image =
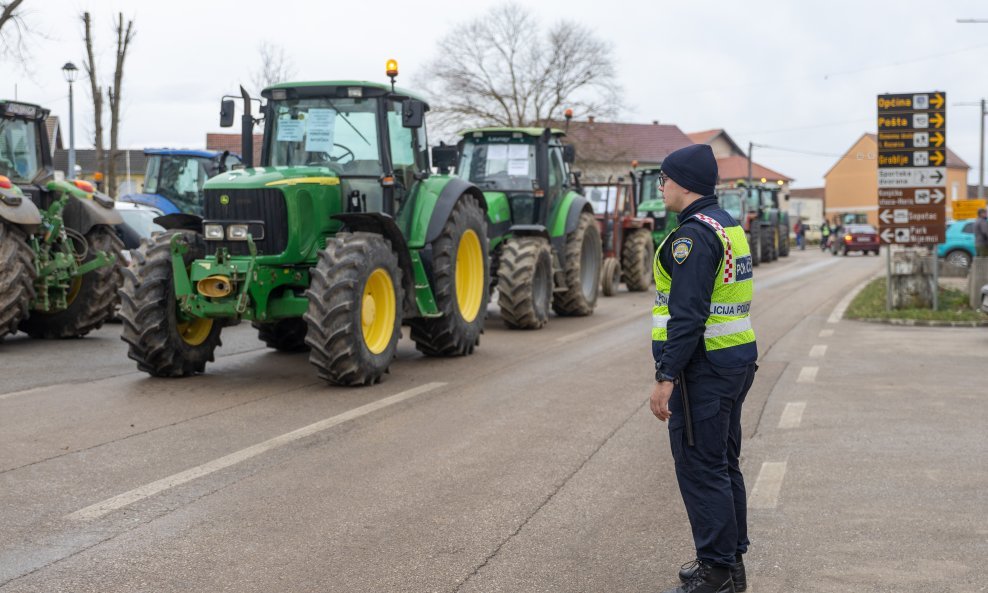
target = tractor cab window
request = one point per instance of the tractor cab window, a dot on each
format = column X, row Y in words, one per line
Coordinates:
column 731, row 201
column 498, row 162
column 340, row 134
column 19, row 150
column 403, row 151
column 557, row 170
column 179, row 179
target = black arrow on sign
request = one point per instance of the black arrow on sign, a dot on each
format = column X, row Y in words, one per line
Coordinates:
column 937, row 175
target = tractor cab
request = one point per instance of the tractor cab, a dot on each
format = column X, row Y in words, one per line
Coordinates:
column 24, row 151
column 734, row 202
column 529, row 165
column 369, row 136
column 173, row 179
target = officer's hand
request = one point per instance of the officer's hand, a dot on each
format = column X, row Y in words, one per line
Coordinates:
column 659, row 402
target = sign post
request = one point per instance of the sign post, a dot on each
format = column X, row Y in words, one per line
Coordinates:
column 912, row 173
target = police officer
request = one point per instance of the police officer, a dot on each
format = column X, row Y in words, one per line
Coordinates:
column 704, row 349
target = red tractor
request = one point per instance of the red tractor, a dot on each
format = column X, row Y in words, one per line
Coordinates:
column 626, row 237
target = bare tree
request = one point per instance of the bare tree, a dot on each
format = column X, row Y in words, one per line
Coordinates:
column 124, row 37
column 13, row 31
column 503, row 68
column 275, row 66
column 106, row 161
column 96, row 92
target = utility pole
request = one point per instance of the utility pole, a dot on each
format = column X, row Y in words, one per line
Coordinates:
column 983, row 105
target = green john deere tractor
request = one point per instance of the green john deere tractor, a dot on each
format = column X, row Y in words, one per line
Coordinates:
column 545, row 244
column 339, row 237
column 648, row 197
column 60, row 253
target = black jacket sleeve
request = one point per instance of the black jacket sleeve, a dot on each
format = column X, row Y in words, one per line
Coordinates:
column 689, row 299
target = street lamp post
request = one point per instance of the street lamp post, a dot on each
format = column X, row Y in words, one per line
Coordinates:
column 71, row 73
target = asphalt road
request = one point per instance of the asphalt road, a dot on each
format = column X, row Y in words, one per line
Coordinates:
column 533, row 465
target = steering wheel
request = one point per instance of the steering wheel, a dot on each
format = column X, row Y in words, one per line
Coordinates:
column 336, row 160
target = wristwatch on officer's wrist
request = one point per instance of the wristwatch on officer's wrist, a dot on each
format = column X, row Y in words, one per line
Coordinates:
column 661, row 377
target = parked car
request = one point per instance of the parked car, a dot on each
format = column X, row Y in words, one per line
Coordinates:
column 958, row 249
column 855, row 237
column 138, row 224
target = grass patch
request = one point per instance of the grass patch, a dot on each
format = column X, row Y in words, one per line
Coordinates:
column 870, row 304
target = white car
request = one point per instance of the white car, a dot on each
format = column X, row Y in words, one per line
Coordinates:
column 984, row 298
column 138, row 224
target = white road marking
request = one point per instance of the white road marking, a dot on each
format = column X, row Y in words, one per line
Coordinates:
column 127, row 498
column 826, row 333
column 818, row 351
column 838, row 312
column 792, row 415
column 24, row 392
column 765, row 494
column 807, row 375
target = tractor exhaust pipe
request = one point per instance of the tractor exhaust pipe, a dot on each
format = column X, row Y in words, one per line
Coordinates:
column 246, row 130
column 215, row 286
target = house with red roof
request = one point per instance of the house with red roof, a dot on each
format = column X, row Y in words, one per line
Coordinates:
column 605, row 150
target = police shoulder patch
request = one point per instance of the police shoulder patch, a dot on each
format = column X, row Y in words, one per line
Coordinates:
column 681, row 249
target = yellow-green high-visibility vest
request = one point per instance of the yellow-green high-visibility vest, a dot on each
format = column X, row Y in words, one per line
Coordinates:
column 728, row 328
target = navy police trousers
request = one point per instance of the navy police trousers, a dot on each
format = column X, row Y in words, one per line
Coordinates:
column 709, row 473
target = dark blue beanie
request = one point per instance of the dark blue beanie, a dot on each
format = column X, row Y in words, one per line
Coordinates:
column 693, row 167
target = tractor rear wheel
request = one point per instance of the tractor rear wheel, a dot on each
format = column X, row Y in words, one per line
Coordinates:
column 784, row 239
column 524, row 283
column 354, row 315
column 461, row 274
column 92, row 298
column 16, row 278
column 610, row 276
column 583, row 261
column 755, row 244
column 284, row 335
column 163, row 344
column 636, row 261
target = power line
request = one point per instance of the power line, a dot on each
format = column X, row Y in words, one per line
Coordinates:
column 827, row 125
column 904, row 62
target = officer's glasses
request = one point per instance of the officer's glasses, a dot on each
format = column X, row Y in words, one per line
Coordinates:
column 662, row 179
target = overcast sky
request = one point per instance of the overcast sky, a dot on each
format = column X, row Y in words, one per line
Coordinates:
column 798, row 75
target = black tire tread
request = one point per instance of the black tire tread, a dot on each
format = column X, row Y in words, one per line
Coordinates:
column 516, row 270
column 450, row 334
column 636, row 261
column 17, row 275
column 148, row 314
column 284, row 335
column 573, row 302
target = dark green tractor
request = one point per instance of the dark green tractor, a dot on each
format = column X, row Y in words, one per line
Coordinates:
column 545, row 244
column 339, row 238
column 648, row 197
column 60, row 252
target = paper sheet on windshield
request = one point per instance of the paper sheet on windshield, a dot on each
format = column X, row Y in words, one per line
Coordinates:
column 518, row 167
column 518, row 152
column 497, row 152
column 290, row 130
column 320, row 129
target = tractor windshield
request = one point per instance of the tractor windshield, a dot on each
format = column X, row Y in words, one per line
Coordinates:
column 337, row 133
column 650, row 189
column 19, row 151
column 732, row 201
column 499, row 163
column 179, row 179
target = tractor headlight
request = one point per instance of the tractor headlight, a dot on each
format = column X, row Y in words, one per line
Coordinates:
column 237, row 232
column 213, row 232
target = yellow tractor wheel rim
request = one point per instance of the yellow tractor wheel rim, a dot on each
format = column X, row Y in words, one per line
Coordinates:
column 378, row 310
column 469, row 276
column 194, row 332
column 74, row 289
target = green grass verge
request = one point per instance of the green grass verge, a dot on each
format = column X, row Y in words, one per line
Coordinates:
column 870, row 304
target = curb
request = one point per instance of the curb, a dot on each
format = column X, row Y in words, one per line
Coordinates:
column 924, row 322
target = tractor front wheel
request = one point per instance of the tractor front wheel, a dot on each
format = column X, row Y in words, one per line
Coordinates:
column 524, row 282
column 610, row 277
column 163, row 344
column 583, row 261
column 461, row 276
column 92, row 297
column 16, row 278
column 636, row 261
column 354, row 315
column 284, row 335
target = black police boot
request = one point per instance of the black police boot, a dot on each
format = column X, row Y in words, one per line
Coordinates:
column 737, row 573
column 706, row 578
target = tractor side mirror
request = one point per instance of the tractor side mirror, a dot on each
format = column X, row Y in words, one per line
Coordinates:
column 444, row 157
column 412, row 113
column 569, row 154
column 226, row 113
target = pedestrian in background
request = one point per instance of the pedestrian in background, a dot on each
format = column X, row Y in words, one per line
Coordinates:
column 800, row 229
column 705, row 352
column 824, row 236
column 981, row 233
